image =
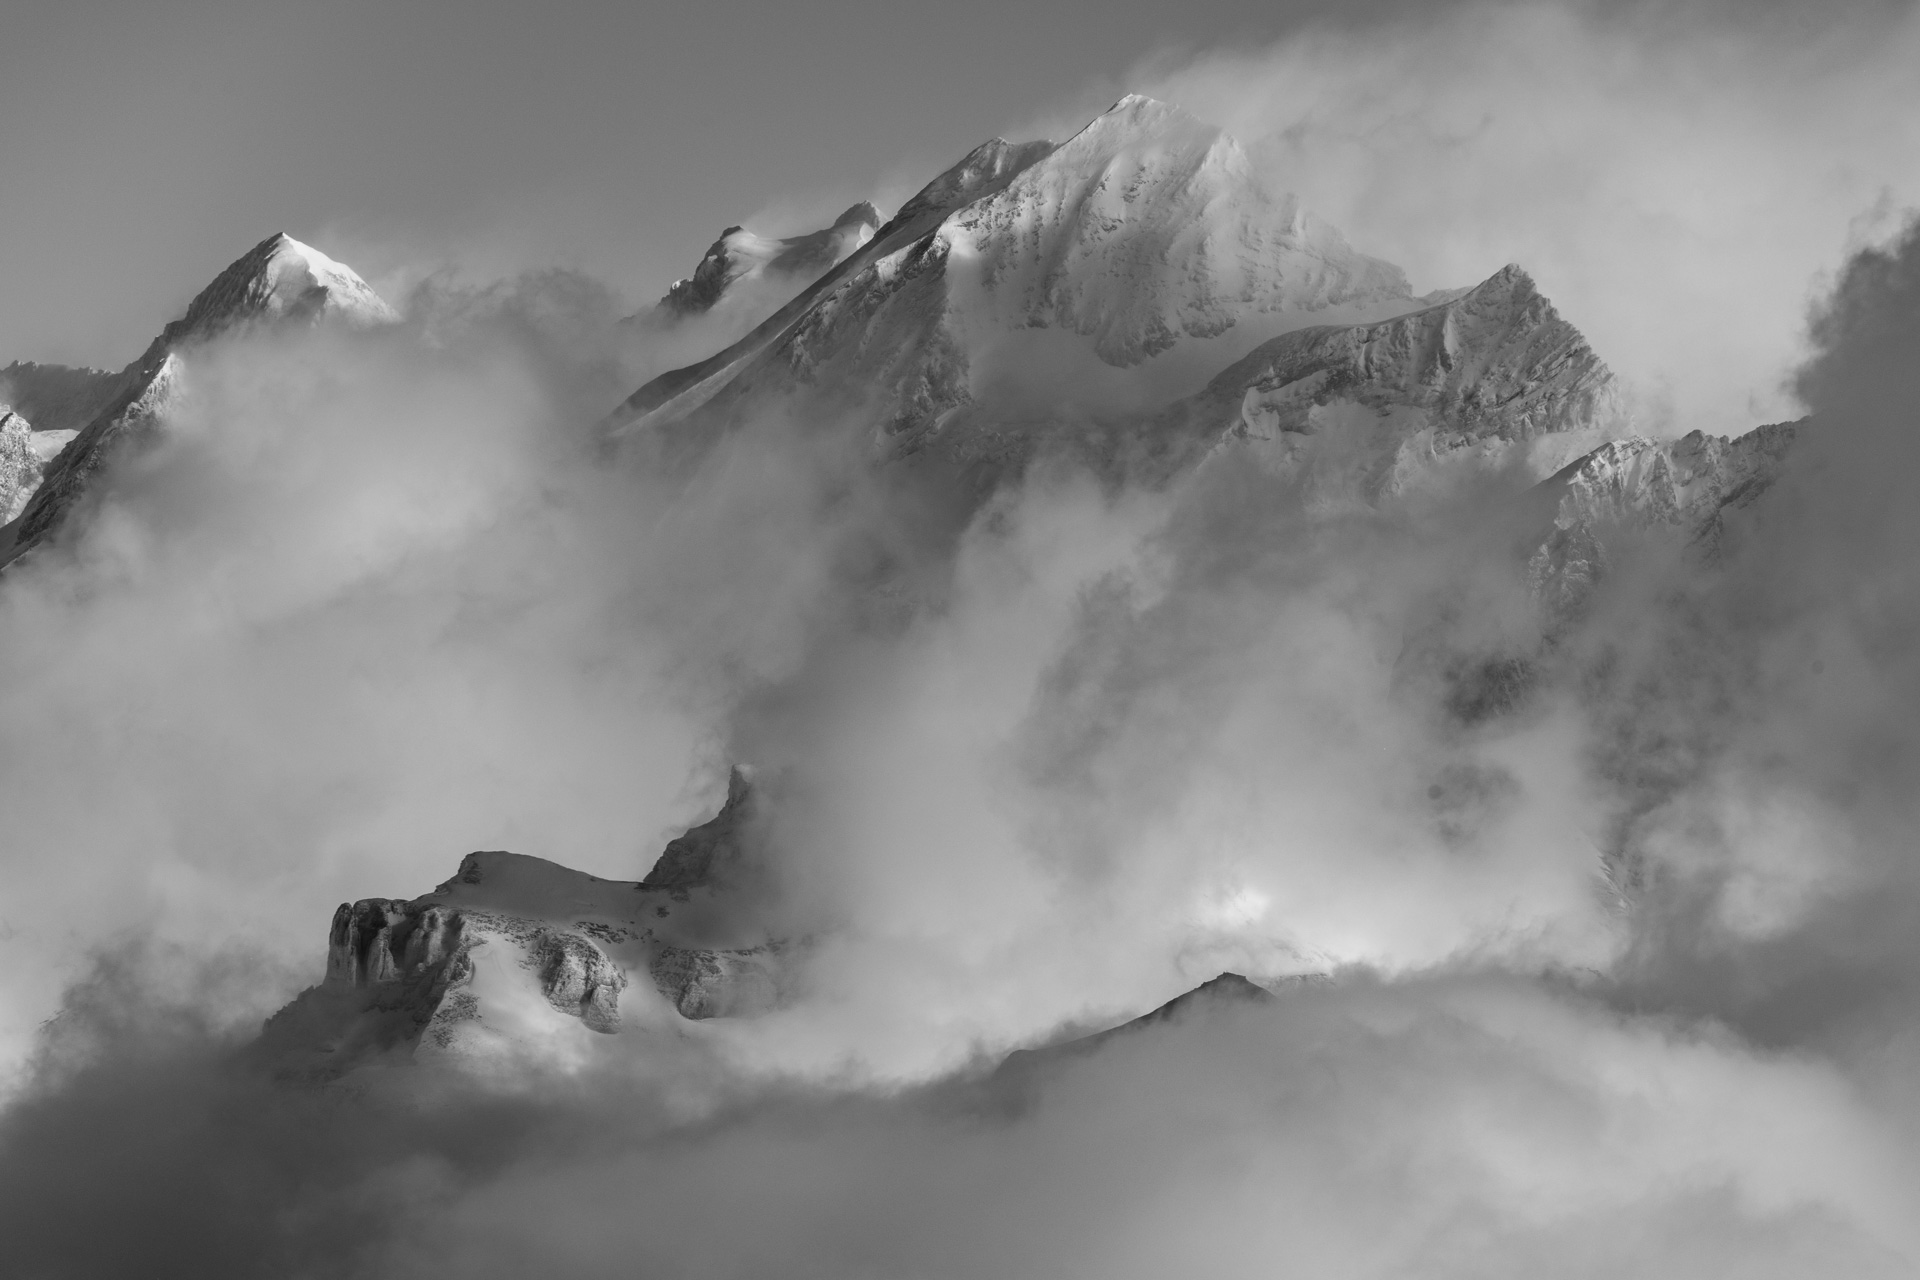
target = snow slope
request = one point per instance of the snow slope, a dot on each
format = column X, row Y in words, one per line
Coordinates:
column 1145, row 236
column 1685, row 485
column 743, row 263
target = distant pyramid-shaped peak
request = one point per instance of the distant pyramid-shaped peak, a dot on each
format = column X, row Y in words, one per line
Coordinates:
column 862, row 214
column 280, row 278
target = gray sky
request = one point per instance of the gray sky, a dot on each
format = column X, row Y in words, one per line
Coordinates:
column 145, row 146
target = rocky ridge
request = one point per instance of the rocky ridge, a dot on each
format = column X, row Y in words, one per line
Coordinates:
column 1145, row 234
column 24, row 455
column 740, row 259
column 1490, row 379
column 514, row 951
column 678, row 392
column 1686, row 486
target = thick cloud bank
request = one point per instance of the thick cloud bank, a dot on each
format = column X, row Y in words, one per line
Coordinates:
column 1674, row 175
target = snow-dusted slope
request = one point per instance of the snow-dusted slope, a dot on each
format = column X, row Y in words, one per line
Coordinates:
column 1685, row 485
column 741, row 262
column 1145, row 234
column 1145, row 228
column 983, row 170
column 520, row 957
column 278, row 281
column 1491, row 379
column 24, row 455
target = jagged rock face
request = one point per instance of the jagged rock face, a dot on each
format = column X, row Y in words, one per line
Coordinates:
column 278, row 281
column 377, row 941
column 739, row 258
column 1490, row 380
column 708, row 853
column 19, row 464
column 516, row 951
column 1496, row 362
column 1145, row 231
column 1685, row 485
column 577, row 978
column 718, row 984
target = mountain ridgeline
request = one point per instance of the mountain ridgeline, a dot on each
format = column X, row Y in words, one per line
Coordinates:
column 1134, row 300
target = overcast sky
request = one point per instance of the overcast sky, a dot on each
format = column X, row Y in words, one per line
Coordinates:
column 143, row 146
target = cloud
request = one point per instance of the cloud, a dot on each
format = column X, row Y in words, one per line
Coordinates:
column 368, row 607
column 1677, row 177
column 1454, row 1126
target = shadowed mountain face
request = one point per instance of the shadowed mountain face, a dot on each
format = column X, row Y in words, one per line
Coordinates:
column 706, row 854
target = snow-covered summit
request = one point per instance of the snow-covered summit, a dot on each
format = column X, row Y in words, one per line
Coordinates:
column 278, row 279
column 1149, row 226
column 1146, row 232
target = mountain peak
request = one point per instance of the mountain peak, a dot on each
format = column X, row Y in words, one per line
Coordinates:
column 1136, row 109
column 279, row 277
column 744, row 265
column 986, row 168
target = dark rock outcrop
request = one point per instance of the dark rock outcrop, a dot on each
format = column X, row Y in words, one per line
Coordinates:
column 708, row 853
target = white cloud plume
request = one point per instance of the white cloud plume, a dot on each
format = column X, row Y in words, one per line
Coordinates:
column 1677, row 177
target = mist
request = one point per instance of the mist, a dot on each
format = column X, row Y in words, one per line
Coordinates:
column 1677, row 177
column 1607, row 967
